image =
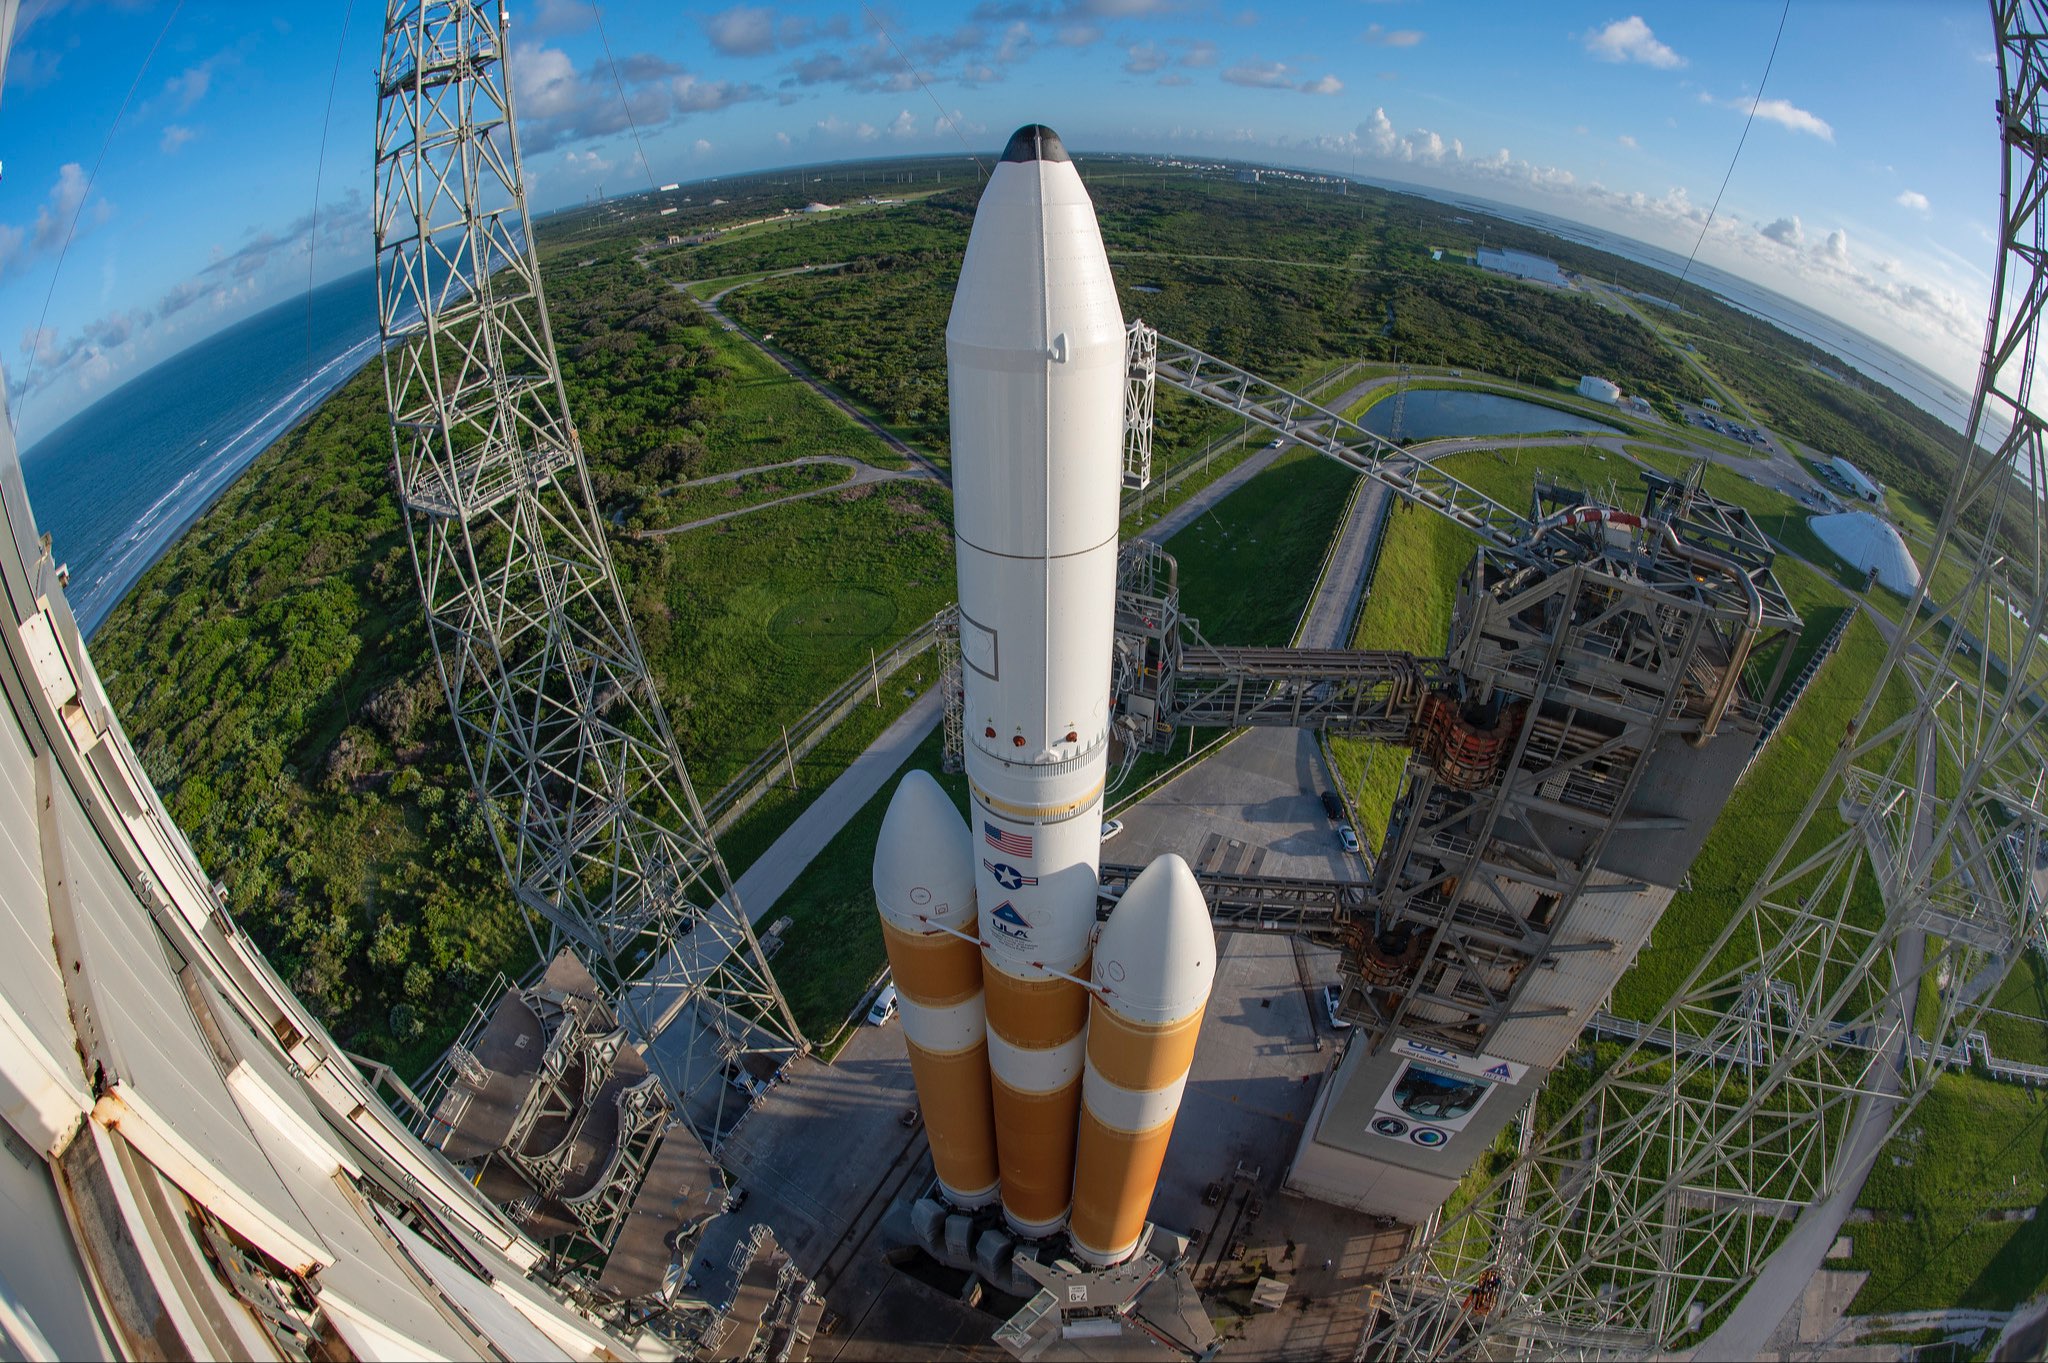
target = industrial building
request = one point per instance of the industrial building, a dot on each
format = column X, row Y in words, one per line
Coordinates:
column 1851, row 479
column 1599, row 389
column 1522, row 265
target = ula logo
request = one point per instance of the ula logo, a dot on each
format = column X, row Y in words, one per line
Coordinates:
column 1009, row 923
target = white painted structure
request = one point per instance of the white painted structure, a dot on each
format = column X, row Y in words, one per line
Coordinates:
column 1599, row 389
column 1854, row 479
column 1035, row 365
column 1869, row 542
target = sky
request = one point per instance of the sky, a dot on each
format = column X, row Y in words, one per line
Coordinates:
column 189, row 163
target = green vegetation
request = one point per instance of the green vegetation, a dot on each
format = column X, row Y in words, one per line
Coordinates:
column 1248, row 564
column 1950, row 1195
column 274, row 673
column 2016, row 1024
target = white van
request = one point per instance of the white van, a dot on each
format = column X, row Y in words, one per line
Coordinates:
column 884, row 1006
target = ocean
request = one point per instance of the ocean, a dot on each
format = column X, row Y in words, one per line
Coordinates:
column 116, row 485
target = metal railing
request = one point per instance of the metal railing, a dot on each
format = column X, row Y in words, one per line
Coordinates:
column 778, row 762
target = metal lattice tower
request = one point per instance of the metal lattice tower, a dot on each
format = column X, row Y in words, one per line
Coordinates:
column 592, row 812
column 1639, row 1212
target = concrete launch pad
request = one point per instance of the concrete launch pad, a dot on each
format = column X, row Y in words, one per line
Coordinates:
column 829, row 1164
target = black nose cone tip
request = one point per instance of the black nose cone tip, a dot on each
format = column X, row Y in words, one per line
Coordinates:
column 1035, row 142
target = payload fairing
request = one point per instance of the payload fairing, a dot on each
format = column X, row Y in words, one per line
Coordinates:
column 1035, row 357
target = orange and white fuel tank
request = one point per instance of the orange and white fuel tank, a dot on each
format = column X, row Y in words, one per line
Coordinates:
column 1154, row 963
column 924, row 885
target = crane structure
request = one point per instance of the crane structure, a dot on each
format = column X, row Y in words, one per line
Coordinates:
column 566, row 740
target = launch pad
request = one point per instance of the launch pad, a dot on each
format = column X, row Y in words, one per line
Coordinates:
column 827, row 1160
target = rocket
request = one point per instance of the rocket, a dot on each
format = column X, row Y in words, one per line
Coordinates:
column 1035, row 361
column 1027, row 1036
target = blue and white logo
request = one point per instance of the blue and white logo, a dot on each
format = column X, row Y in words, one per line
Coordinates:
column 1007, row 922
column 1500, row 1071
column 1009, row 877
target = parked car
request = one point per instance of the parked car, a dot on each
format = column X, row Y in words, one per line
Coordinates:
column 1348, row 837
column 1331, row 993
column 884, row 1006
column 1111, row 828
column 1333, row 806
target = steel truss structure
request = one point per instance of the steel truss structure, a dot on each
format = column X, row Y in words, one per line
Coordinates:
column 567, row 743
column 1640, row 1211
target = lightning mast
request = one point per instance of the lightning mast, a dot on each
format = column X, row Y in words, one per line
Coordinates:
column 594, row 817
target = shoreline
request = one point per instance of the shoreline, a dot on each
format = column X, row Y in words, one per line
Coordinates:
column 229, row 477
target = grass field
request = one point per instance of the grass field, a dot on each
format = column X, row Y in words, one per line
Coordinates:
column 698, row 501
column 751, row 621
column 1974, row 1153
column 2019, row 1029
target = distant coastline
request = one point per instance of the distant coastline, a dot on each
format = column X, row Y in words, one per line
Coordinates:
column 121, row 482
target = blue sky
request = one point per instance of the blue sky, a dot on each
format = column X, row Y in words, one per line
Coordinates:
column 1867, row 187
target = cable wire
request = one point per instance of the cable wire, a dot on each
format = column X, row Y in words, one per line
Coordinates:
column 36, row 351
column 624, row 107
column 1768, row 63
column 944, row 117
column 320, row 169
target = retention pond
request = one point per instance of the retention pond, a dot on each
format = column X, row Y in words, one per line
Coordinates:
column 1436, row 413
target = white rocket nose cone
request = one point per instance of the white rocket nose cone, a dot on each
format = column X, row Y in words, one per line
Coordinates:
column 923, row 862
column 1156, row 957
column 1035, row 278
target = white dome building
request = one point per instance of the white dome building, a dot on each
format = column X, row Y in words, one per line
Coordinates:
column 1599, row 389
column 1867, row 542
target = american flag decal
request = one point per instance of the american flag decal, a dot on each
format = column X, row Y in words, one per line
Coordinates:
column 1015, row 844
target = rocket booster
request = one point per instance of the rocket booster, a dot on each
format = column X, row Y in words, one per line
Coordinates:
column 1154, row 964
column 1035, row 359
column 924, row 889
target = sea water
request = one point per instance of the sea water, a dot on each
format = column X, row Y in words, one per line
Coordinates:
column 116, row 485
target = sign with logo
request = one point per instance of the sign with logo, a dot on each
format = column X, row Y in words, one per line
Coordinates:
column 1436, row 1092
column 1007, row 876
column 1005, row 921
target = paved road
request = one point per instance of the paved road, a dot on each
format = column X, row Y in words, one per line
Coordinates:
column 864, row 475
column 777, row 868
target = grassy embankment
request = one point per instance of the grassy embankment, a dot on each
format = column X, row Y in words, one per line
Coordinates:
column 1948, row 1198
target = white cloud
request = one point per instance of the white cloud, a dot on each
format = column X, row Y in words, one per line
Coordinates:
column 903, row 125
column 1913, row 199
column 1630, row 40
column 701, row 146
column 1144, row 58
column 1280, row 76
column 742, row 31
column 1202, row 53
column 1837, row 248
column 1399, row 37
column 173, row 138
column 1627, row 141
column 1079, row 35
column 1789, row 115
column 782, row 139
column 1785, row 231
